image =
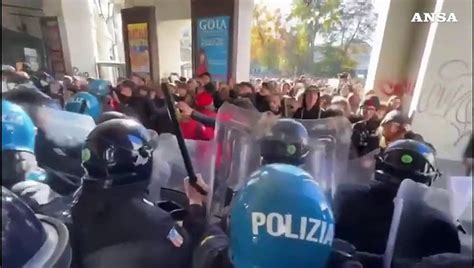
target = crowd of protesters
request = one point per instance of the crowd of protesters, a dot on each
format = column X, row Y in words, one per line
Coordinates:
column 375, row 123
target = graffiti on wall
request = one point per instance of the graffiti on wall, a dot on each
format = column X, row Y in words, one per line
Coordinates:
column 450, row 98
column 77, row 72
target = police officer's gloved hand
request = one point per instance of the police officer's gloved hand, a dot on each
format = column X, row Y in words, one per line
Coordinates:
column 177, row 212
column 35, row 193
column 195, row 198
column 342, row 255
column 369, row 260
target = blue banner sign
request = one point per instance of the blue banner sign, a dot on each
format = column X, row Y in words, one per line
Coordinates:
column 212, row 53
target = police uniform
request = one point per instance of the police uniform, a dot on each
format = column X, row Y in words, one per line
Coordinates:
column 29, row 239
column 259, row 209
column 124, row 216
column 364, row 213
column 62, row 164
column 212, row 252
column 114, row 225
column 48, row 153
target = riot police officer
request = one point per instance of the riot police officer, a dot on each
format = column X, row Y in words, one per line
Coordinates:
column 20, row 170
column 59, row 155
column 280, row 218
column 114, row 224
column 99, row 88
column 364, row 213
column 287, row 142
column 18, row 146
column 30, row 240
column 84, row 103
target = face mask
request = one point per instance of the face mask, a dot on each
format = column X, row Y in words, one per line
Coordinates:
column 123, row 98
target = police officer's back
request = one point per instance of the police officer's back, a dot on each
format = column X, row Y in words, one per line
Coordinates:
column 280, row 218
column 114, row 224
column 364, row 213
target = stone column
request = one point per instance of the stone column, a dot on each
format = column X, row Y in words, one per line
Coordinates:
column 442, row 101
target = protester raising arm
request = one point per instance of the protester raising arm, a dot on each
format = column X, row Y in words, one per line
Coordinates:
column 207, row 121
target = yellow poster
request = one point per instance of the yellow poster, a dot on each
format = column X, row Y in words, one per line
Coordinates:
column 139, row 51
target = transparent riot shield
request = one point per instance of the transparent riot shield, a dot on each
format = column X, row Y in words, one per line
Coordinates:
column 168, row 165
column 237, row 151
column 461, row 190
column 238, row 135
column 361, row 170
column 330, row 141
column 64, row 128
column 59, row 142
column 417, row 208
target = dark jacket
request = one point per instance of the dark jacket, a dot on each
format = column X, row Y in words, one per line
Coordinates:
column 314, row 113
column 137, row 107
column 211, row 89
column 363, row 216
column 364, row 137
column 261, row 103
column 208, row 121
column 212, row 252
column 218, row 101
column 121, row 216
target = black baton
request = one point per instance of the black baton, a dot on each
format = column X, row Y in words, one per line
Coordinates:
column 179, row 136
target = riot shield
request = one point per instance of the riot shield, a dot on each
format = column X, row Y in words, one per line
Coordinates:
column 63, row 128
column 461, row 190
column 361, row 170
column 168, row 166
column 238, row 135
column 59, row 142
column 418, row 212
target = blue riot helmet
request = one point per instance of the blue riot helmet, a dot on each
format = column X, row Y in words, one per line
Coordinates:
column 18, row 146
column 118, row 152
column 18, row 130
column 286, row 142
column 99, row 88
column 30, row 240
column 280, row 218
column 407, row 159
column 84, row 103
